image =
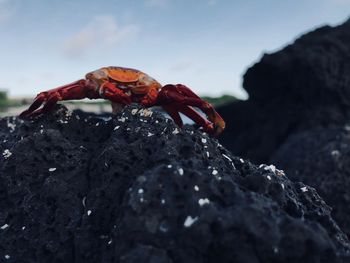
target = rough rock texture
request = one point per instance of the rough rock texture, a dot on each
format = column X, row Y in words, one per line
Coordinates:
column 304, row 85
column 321, row 158
column 134, row 188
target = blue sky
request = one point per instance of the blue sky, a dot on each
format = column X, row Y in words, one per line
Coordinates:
column 204, row 44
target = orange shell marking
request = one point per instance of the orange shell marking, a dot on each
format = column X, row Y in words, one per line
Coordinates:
column 123, row 75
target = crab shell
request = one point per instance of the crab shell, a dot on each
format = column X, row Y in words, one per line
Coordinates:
column 123, row 86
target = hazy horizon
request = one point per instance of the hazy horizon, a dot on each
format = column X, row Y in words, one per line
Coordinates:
column 206, row 45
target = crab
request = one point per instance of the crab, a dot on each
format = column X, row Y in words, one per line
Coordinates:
column 123, row 86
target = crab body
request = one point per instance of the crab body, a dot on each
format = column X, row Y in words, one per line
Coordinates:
column 123, row 86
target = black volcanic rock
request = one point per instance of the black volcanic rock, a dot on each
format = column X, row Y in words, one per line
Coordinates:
column 303, row 86
column 321, row 158
column 302, row 90
column 135, row 188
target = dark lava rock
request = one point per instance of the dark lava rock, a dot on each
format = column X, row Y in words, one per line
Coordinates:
column 321, row 158
column 135, row 188
column 303, row 86
column 302, row 90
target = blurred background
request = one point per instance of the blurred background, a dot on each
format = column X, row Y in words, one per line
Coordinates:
column 204, row 44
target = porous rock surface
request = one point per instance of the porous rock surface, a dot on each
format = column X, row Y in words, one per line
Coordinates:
column 302, row 90
column 135, row 188
column 321, row 158
column 304, row 85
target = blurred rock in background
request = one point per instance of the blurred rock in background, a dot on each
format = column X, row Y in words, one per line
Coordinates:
column 298, row 109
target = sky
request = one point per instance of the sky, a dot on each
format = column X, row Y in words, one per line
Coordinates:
column 206, row 45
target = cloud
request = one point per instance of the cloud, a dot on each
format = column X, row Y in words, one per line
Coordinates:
column 6, row 11
column 103, row 32
column 338, row 2
column 212, row 2
column 182, row 66
column 157, row 3
column 162, row 3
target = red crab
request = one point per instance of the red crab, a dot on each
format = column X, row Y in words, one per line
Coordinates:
column 123, row 86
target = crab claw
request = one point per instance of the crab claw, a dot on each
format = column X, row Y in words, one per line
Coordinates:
column 179, row 98
column 48, row 99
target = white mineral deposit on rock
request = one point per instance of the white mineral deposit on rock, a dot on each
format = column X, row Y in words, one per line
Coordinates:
column 203, row 201
column 6, row 153
column 190, row 221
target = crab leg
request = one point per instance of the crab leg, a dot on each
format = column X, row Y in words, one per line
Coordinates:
column 38, row 101
column 111, row 92
column 173, row 111
column 184, row 97
column 197, row 118
column 48, row 99
column 49, row 104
